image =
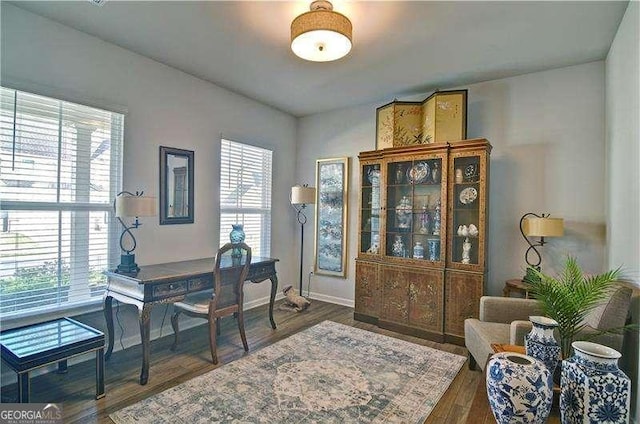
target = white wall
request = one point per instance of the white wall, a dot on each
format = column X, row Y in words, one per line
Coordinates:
column 547, row 129
column 623, row 159
column 547, row 132
column 164, row 107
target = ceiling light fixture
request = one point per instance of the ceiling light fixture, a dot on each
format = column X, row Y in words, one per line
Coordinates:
column 321, row 35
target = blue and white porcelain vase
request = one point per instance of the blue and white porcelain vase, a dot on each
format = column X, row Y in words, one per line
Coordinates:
column 418, row 251
column 398, row 249
column 594, row 390
column 540, row 342
column 519, row 388
column 434, row 249
column 236, row 236
column 404, row 212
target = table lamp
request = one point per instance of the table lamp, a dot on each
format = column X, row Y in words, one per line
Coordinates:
column 301, row 196
column 533, row 225
column 128, row 204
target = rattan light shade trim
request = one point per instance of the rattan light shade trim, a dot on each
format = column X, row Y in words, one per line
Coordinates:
column 325, row 35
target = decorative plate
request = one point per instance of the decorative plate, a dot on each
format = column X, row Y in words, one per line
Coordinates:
column 418, row 173
column 468, row 195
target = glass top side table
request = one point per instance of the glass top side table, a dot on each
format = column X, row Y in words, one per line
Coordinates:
column 27, row 348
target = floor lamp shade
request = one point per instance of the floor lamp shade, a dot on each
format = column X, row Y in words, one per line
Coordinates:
column 303, row 195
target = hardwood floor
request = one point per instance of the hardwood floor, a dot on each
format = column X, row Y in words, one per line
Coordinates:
column 76, row 389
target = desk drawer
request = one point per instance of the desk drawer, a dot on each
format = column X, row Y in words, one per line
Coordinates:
column 200, row 283
column 170, row 289
column 262, row 272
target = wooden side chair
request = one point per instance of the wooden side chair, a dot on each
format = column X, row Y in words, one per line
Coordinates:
column 226, row 298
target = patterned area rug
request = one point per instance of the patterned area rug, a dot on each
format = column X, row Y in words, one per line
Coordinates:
column 330, row 373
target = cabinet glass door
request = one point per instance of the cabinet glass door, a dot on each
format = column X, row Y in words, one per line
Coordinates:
column 466, row 216
column 414, row 222
column 370, row 209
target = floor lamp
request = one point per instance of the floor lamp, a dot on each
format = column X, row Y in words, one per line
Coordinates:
column 301, row 196
column 533, row 225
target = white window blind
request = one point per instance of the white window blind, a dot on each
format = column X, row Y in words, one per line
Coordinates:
column 60, row 168
column 245, row 194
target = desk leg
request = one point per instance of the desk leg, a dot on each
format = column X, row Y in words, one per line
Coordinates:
column 144, row 316
column 274, row 290
column 23, row 387
column 108, row 316
column 99, row 373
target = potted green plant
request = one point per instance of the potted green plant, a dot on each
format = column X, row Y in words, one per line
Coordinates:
column 569, row 297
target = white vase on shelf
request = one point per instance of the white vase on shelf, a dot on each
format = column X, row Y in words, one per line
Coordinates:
column 418, row 251
column 466, row 251
column 398, row 248
column 403, row 213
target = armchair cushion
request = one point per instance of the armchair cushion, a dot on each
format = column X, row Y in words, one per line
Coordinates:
column 479, row 336
column 507, row 309
column 517, row 330
column 611, row 313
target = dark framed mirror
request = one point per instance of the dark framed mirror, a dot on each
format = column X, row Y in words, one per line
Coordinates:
column 176, row 186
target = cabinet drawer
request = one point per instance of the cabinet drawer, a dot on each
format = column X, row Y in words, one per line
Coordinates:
column 170, row 289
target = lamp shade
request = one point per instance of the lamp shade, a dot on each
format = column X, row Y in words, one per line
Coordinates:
column 543, row 227
column 135, row 206
column 321, row 35
column 301, row 195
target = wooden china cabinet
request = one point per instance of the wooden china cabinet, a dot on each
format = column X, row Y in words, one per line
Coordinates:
column 421, row 264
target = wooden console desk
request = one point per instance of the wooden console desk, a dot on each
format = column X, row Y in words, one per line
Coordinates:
column 169, row 283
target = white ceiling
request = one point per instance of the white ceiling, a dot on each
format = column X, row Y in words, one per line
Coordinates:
column 400, row 48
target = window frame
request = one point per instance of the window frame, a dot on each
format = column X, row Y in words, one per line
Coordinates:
column 59, row 206
column 266, row 213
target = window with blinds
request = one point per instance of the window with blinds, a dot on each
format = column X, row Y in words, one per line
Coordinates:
column 60, row 169
column 245, row 194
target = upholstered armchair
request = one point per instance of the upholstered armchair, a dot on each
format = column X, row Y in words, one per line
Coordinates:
column 506, row 320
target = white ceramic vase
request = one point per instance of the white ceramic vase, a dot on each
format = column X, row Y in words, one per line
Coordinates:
column 519, row 388
column 403, row 213
column 466, row 251
column 594, row 390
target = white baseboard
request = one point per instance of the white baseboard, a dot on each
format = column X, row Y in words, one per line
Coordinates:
column 332, row 299
column 261, row 301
